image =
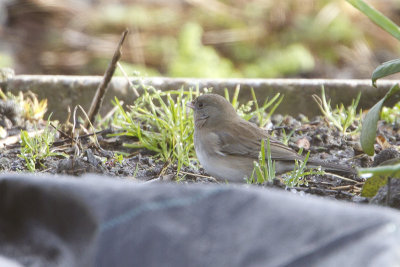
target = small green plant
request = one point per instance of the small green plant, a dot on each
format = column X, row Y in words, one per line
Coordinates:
column 118, row 157
column 297, row 176
column 391, row 115
column 264, row 170
column 341, row 117
column 161, row 123
column 32, row 109
column 286, row 137
column 34, row 149
column 246, row 110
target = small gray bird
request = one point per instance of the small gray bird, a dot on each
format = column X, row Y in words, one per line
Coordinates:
column 227, row 145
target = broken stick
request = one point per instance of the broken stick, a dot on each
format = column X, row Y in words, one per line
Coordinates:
column 102, row 88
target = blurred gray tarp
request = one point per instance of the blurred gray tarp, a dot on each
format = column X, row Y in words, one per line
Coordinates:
column 97, row 221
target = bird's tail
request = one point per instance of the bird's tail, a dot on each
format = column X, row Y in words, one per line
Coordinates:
column 328, row 166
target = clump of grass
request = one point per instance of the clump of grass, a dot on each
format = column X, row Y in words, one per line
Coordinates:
column 342, row 118
column 34, row 149
column 264, row 169
column 32, row 108
column 391, row 115
column 252, row 109
column 297, row 176
column 286, row 137
column 162, row 123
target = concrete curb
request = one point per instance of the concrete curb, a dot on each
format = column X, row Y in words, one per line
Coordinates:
column 63, row 91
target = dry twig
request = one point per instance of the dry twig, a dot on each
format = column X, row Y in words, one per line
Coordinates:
column 102, row 89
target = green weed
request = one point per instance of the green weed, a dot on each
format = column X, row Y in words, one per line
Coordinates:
column 34, row 149
column 342, row 118
column 32, row 109
column 264, row 170
column 161, row 122
column 252, row 109
column 391, row 115
column 297, row 176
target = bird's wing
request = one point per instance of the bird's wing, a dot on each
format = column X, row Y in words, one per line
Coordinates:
column 245, row 140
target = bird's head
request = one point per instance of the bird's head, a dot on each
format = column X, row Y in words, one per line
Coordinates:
column 212, row 110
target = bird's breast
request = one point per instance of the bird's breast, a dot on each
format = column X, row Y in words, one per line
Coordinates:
column 219, row 165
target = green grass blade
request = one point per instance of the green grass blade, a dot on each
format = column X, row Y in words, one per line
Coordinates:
column 377, row 17
column 368, row 131
column 385, row 69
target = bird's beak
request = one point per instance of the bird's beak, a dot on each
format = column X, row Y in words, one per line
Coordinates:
column 190, row 105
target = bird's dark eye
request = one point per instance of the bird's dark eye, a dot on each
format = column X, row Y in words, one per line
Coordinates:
column 200, row 105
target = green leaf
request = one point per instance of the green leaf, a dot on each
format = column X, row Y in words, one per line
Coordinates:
column 377, row 17
column 386, row 170
column 385, row 69
column 369, row 125
column 377, row 177
column 372, row 186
